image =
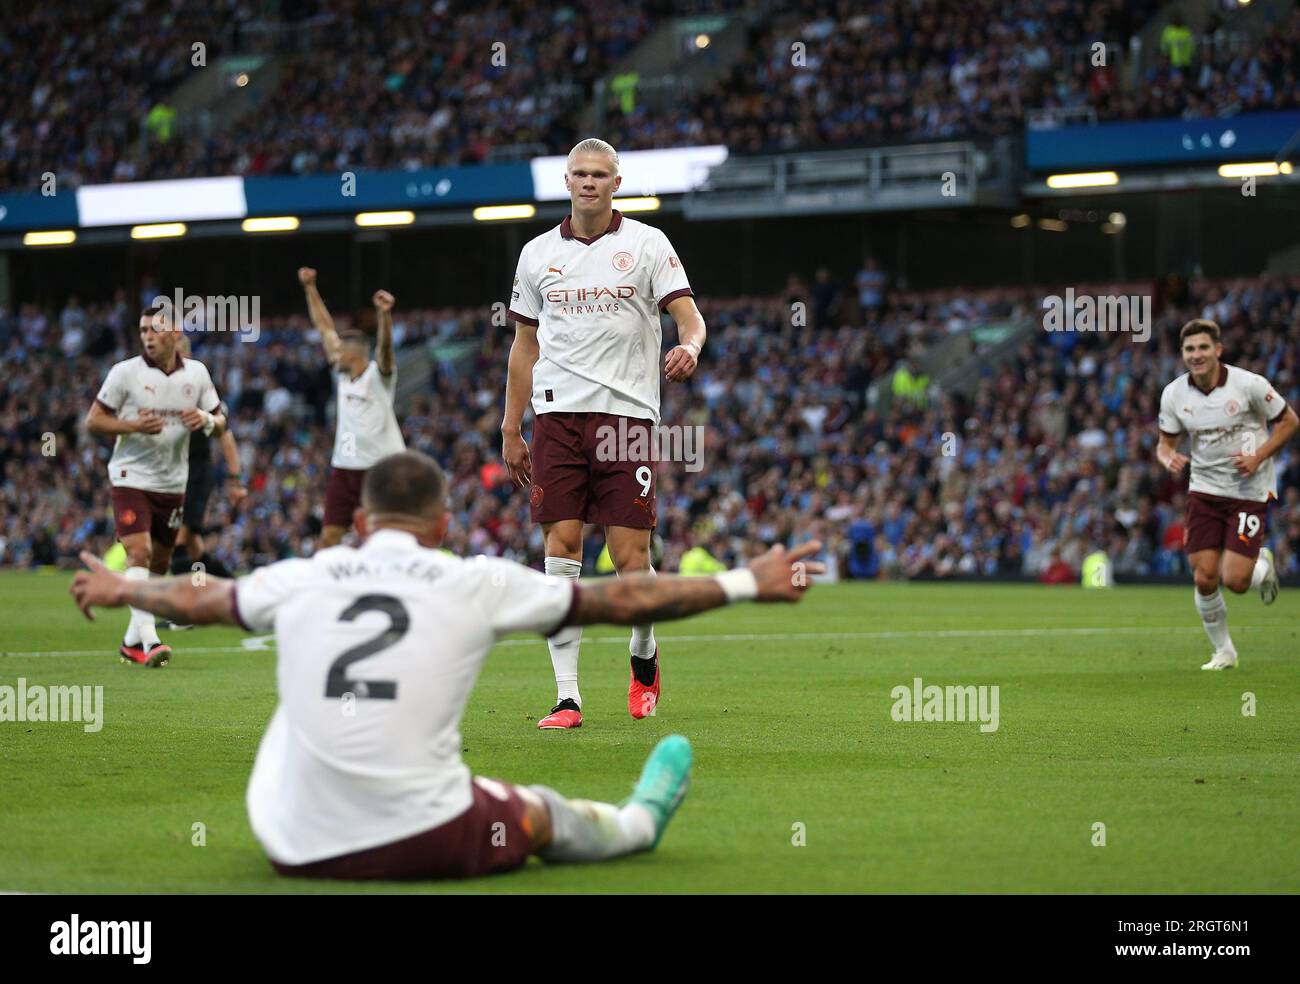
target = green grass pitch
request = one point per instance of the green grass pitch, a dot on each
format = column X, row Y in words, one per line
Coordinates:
column 1104, row 717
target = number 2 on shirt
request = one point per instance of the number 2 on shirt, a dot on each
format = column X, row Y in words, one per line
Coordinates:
column 337, row 683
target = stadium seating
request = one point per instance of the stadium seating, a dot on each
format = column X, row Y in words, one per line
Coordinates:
column 375, row 86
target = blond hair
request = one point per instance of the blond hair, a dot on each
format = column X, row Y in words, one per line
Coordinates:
column 593, row 145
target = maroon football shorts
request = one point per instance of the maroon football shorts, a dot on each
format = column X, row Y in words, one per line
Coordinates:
column 1218, row 523
column 342, row 495
column 596, row 467
column 157, row 513
column 491, row 837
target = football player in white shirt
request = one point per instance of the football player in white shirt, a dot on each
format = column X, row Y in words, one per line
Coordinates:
column 1226, row 413
column 366, row 427
column 359, row 774
column 586, row 303
column 151, row 404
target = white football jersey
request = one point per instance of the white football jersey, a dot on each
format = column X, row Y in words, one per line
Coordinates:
column 155, row 462
column 596, row 303
column 1230, row 419
column 378, row 647
column 366, row 427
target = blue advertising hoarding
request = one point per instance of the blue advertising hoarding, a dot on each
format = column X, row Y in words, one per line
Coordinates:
column 1248, row 137
column 24, row 211
column 484, row 184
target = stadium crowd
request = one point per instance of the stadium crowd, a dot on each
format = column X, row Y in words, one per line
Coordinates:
column 388, row 84
column 807, row 433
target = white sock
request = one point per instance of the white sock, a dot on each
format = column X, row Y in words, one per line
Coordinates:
column 565, row 643
column 582, row 830
column 643, row 644
column 141, row 630
column 1259, row 573
column 1214, row 616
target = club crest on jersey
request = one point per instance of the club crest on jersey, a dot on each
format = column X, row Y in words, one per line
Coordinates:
column 536, row 497
column 1232, row 408
column 187, row 390
column 128, row 517
column 622, row 261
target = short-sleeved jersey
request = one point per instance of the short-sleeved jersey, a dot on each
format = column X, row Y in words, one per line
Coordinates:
column 1231, row 418
column 378, row 650
column 366, row 428
column 596, row 304
column 155, row 462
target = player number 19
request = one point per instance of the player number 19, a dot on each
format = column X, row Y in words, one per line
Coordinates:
column 1247, row 524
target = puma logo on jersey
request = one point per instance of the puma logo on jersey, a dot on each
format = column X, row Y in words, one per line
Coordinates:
column 150, row 389
column 559, row 271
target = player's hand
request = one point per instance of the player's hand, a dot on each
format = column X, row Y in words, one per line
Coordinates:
column 782, row 574
column 1175, row 463
column 148, row 422
column 307, row 276
column 1246, row 464
column 383, row 300
column 194, row 419
column 519, row 460
column 97, row 586
column 237, row 492
column 680, row 363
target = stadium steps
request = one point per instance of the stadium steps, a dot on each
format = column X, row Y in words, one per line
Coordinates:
column 211, row 100
column 414, row 375
column 961, row 361
column 669, row 68
column 1242, row 28
column 956, row 364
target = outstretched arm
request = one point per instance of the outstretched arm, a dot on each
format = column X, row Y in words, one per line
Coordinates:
column 210, row 602
column 778, row 575
column 320, row 315
column 384, row 302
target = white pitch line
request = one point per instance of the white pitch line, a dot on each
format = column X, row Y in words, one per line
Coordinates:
column 765, row 637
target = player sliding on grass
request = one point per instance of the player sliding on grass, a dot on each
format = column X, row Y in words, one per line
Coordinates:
column 152, row 404
column 1226, row 411
column 359, row 774
column 586, row 305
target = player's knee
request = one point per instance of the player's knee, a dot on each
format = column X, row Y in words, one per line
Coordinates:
column 1207, row 582
column 1237, row 583
column 564, row 544
column 630, row 559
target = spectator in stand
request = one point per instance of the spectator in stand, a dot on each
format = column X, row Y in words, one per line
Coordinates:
column 871, row 282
